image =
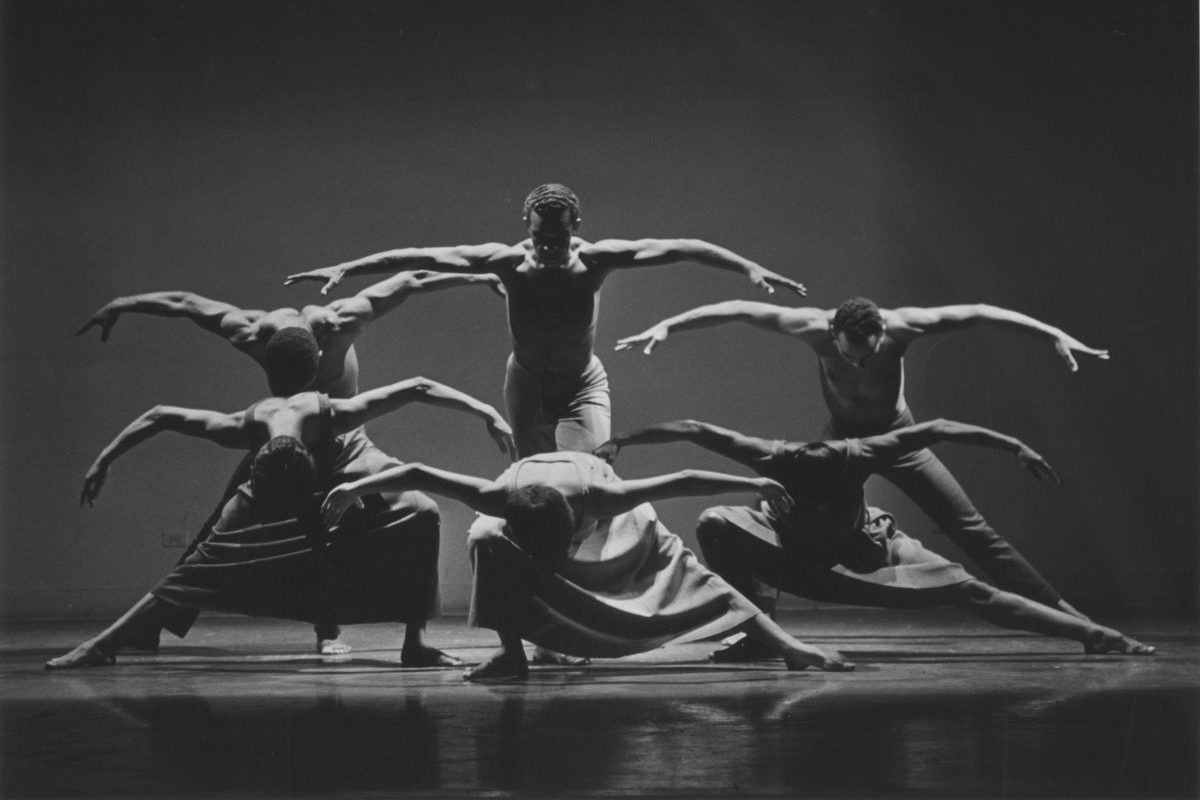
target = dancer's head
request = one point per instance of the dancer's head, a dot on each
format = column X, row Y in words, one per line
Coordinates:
column 551, row 216
column 283, row 477
column 291, row 359
column 857, row 329
column 540, row 522
column 816, row 471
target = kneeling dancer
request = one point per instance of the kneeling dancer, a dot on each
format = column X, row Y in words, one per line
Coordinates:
column 574, row 559
column 268, row 554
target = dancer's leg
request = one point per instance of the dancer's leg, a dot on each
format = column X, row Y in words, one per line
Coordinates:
column 1013, row 611
column 101, row 649
column 925, row 479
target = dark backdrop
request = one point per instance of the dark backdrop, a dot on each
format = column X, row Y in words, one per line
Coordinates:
column 1039, row 156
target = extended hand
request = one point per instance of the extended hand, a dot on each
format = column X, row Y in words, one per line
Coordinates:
column 775, row 495
column 502, row 434
column 92, row 483
column 336, row 504
column 1037, row 466
column 104, row 319
column 651, row 337
column 607, row 451
column 497, row 286
column 1065, row 346
column 767, row 280
column 331, row 275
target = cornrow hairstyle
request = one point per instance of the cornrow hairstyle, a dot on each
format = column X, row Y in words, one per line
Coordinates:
column 550, row 198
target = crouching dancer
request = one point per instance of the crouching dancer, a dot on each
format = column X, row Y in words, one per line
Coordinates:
column 576, row 561
column 830, row 546
column 268, row 554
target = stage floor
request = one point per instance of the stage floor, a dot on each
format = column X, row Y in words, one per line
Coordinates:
column 940, row 705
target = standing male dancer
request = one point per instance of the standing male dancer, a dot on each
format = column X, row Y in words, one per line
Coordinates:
column 555, row 389
column 334, row 328
column 860, row 348
column 830, row 546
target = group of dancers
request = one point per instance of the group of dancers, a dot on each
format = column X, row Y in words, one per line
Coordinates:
column 318, row 524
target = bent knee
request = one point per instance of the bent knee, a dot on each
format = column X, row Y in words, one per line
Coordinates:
column 424, row 507
column 711, row 525
column 977, row 593
column 485, row 531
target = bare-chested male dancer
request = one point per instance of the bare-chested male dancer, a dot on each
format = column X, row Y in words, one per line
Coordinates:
column 860, row 348
column 830, row 546
column 335, row 327
column 261, row 561
column 556, row 390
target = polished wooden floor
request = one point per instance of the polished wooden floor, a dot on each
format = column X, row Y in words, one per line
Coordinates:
column 940, row 706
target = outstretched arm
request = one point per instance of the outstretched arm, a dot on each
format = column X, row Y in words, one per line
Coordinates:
column 621, row 253
column 806, row 323
column 486, row 497
column 223, row 319
column 350, row 413
column 889, row 447
column 731, row 444
column 481, row 258
column 380, row 298
column 224, row 429
column 610, row 499
column 950, row 318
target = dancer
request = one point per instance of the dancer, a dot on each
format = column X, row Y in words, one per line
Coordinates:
column 830, row 546
column 381, row 568
column 335, row 328
column 860, row 348
column 580, row 564
column 556, row 390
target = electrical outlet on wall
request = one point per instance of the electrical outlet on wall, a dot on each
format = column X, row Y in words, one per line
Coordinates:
column 174, row 539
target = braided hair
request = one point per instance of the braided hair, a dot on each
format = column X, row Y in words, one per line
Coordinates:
column 550, row 199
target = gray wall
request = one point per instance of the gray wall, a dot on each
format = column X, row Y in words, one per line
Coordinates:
column 1036, row 156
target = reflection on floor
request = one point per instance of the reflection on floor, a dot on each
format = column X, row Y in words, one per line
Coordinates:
column 940, row 705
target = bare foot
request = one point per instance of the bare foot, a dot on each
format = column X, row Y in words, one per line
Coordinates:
column 333, row 647
column 92, row 653
column 548, row 658
column 805, row 655
column 504, row 664
column 1107, row 640
column 425, row 656
column 743, row 651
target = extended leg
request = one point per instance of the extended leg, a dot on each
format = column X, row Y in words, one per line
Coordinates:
column 1013, row 611
column 145, row 637
column 930, row 485
column 100, row 650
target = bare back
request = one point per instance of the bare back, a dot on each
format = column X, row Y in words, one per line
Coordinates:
column 298, row 416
